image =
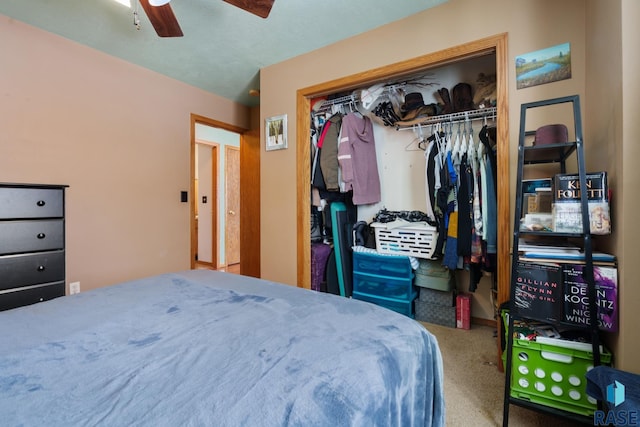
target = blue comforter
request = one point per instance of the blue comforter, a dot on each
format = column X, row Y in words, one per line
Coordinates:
column 205, row 348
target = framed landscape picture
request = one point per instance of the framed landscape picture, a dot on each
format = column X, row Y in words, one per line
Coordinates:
column 276, row 132
column 543, row 66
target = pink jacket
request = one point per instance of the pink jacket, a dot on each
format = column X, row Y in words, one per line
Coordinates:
column 357, row 158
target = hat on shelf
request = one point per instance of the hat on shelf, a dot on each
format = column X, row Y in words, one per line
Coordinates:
column 412, row 101
column 370, row 95
column 551, row 134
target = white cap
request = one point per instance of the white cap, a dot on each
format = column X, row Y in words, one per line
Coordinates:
column 370, row 95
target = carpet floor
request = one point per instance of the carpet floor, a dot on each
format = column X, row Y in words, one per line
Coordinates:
column 473, row 385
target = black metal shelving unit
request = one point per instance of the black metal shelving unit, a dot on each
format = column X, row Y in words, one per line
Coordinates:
column 550, row 154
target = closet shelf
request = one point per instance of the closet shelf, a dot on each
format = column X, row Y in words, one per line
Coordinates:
column 454, row 117
column 548, row 234
column 549, row 153
column 341, row 101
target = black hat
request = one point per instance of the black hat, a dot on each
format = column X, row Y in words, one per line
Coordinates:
column 412, row 100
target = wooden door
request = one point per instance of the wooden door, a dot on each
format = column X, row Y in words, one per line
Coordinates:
column 249, row 199
column 232, row 203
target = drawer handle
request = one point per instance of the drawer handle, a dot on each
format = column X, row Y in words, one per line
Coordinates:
column 41, row 268
column 41, row 236
column 40, row 203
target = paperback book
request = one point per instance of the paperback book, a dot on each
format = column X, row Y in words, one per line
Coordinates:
column 538, row 291
column 567, row 209
column 576, row 298
column 567, row 255
column 531, row 191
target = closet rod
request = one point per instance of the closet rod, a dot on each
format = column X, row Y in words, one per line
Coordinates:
column 341, row 100
column 454, row 117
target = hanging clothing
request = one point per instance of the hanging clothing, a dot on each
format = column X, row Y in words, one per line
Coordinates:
column 357, row 159
column 329, row 153
column 451, row 218
column 476, row 238
column 430, row 176
column 477, row 208
column 491, row 232
column 441, row 199
column 465, row 208
column 317, row 179
column 489, row 197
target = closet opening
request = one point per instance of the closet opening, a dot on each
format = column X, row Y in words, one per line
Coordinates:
column 491, row 47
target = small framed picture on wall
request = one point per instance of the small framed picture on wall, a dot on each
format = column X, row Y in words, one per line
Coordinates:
column 543, row 66
column 276, row 132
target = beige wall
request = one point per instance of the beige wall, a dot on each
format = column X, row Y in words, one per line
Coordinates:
column 628, row 229
column 118, row 135
column 417, row 35
column 530, row 26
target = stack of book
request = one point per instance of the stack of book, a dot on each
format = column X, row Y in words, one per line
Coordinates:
column 550, row 286
column 554, row 204
column 559, row 252
column 537, row 202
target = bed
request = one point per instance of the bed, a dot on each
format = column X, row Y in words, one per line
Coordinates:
column 207, row 348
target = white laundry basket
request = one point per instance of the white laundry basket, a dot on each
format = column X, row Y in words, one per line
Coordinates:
column 418, row 240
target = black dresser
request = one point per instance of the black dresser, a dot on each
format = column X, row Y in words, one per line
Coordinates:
column 32, row 243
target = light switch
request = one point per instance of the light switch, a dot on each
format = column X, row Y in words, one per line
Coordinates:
column 204, row 199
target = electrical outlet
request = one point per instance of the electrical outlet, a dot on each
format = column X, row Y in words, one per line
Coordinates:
column 74, row 288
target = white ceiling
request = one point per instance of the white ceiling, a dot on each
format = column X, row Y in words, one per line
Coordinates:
column 223, row 47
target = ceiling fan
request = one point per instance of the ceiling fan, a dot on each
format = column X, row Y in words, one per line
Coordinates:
column 166, row 25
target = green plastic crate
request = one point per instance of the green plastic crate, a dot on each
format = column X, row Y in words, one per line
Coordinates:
column 553, row 376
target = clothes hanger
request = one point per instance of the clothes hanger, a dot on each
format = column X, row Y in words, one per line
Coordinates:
column 455, row 153
column 463, row 145
column 441, row 141
column 418, row 141
column 480, row 152
column 471, row 149
column 355, row 110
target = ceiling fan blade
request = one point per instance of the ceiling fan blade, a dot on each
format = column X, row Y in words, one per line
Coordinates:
column 162, row 19
column 257, row 7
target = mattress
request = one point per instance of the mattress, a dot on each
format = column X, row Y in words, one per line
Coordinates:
column 207, row 348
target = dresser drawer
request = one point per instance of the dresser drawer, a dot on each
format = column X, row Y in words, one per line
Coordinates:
column 30, row 295
column 31, row 236
column 31, row 203
column 24, row 270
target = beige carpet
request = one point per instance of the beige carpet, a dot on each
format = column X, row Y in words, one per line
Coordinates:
column 473, row 385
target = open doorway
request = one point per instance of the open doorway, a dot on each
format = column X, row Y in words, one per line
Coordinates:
column 206, row 201
column 218, row 207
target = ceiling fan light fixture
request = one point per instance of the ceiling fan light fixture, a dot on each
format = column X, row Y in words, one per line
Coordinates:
column 158, row 2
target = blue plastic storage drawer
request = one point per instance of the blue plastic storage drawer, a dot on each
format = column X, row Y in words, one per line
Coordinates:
column 382, row 265
column 404, row 306
column 382, row 275
column 384, row 286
